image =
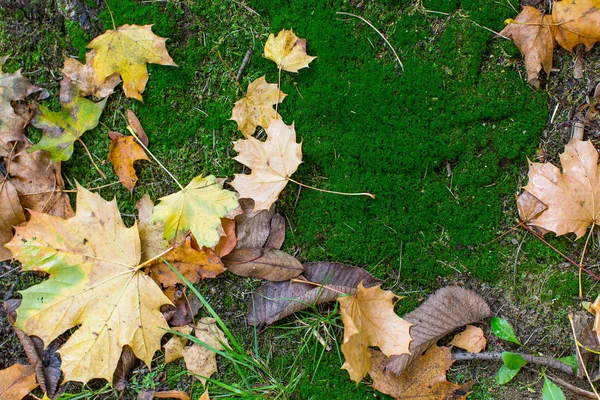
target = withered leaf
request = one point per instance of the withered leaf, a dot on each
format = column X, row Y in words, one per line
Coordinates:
column 80, row 80
column 199, row 360
column 11, row 214
column 577, row 22
column 471, row 339
column 17, row 381
column 123, row 152
column 253, row 227
column 174, row 347
column 269, row 264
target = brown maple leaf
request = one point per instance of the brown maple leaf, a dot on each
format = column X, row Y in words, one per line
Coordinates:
column 124, row 151
column 533, row 33
column 577, row 22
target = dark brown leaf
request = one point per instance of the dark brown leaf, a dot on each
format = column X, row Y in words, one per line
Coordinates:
column 252, row 227
column 269, row 264
column 277, row 233
column 124, row 367
column 134, row 122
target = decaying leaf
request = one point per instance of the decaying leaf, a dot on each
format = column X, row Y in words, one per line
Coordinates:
column 89, row 258
column 369, row 320
column 424, row 379
column 174, row 347
column 134, row 123
column 199, row 360
column 572, row 197
column 228, row 242
column 204, row 396
column 276, row 300
column 533, row 33
column 256, row 108
column 471, row 339
column 63, row 128
column 124, row 367
column 123, row 152
column 17, row 381
column 577, row 22
column 11, row 214
column 253, row 227
column 198, row 208
column 288, row 51
column 79, row 80
column 125, row 51
column 269, row 264
column 272, row 163
column 447, row 309
column 529, row 206
column 277, row 232
column 13, row 87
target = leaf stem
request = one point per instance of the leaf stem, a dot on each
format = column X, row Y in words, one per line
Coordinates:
column 91, row 159
column 581, row 260
column 581, row 362
column 112, row 18
column 153, row 258
column 278, row 89
column 329, row 191
column 317, row 285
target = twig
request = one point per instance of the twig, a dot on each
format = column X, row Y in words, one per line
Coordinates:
column 91, row 159
column 572, row 388
column 497, row 356
column 244, row 63
column 375, row 29
column 330, row 191
column 231, row 72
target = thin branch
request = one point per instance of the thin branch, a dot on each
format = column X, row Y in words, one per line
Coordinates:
column 92, row 159
column 317, row 285
column 572, row 388
column 497, row 356
column 245, row 62
column 330, row 191
column 231, row 73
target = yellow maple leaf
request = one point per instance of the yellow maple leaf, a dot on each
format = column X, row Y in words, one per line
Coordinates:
column 125, row 51
column 256, row 108
column 272, row 162
column 197, row 208
column 288, row 51
column 95, row 285
column 577, row 22
column 369, row 320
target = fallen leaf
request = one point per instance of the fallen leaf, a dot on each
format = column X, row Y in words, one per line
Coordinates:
column 253, row 227
column 256, row 108
column 11, row 214
column 288, row 51
column 89, row 258
column 269, row 264
column 17, row 381
column 174, row 347
column 79, row 80
column 61, row 129
column 277, row 232
column 13, row 87
column 533, row 33
column 471, row 339
column 198, row 208
column 134, row 123
column 577, row 22
column 125, row 51
column 571, row 196
column 171, row 394
column 123, row 152
column 124, row 367
column 199, row 360
column 369, row 320
column 226, row 243
column 447, row 309
column 529, row 206
column 276, row 300
column 204, row 396
column 424, row 379
column 272, row 163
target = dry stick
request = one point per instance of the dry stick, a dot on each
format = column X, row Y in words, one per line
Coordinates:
column 375, row 29
column 497, row 356
column 572, row 388
column 332, row 191
column 91, row 159
column 231, row 72
column 581, row 259
column 579, row 356
column 245, row 62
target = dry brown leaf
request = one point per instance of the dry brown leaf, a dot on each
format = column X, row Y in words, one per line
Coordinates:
column 135, row 124
column 276, row 300
column 277, row 232
column 125, row 51
column 471, row 339
column 253, row 227
column 572, row 197
column 447, row 309
column 124, row 367
column 288, row 51
column 79, row 80
column 424, row 379
column 577, row 22
column 17, row 381
column 174, row 347
column 256, row 108
column 533, row 33
column 272, row 163
column 369, row 320
column 529, row 206
column 204, row 396
column 171, row 394
column 228, row 242
column 124, row 150
column 11, row 214
column 269, row 264
column 198, row 359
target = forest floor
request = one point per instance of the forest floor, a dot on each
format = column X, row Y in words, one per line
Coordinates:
column 443, row 143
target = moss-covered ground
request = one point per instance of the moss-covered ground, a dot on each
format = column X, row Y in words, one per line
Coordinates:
column 442, row 143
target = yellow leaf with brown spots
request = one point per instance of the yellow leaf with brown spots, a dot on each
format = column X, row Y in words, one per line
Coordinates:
column 288, row 51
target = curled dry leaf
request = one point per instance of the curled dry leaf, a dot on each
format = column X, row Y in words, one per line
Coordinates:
column 198, row 208
column 135, row 124
column 447, row 309
column 577, row 22
column 253, row 227
column 228, row 242
column 61, row 129
column 288, row 51
column 269, row 264
column 276, row 300
column 11, row 214
column 80, row 80
column 369, row 320
column 123, row 152
column 572, row 196
column 256, row 108
column 17, row 381
column 424, row 379
column 529, row 206
column 89, row 258
column 471, row 339
column 272, row 163
column 533, row 33
column 126, row 51
column 124, row 368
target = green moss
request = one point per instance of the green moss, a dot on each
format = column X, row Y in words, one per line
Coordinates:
column 78, row 38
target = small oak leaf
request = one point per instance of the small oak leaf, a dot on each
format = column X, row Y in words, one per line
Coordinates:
column 123, row 152
column 288, row 51
column 125, row 51
column 256, row 108
column 577, row 22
